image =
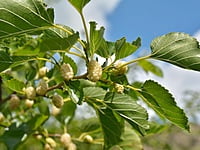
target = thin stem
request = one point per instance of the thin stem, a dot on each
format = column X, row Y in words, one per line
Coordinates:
column 69, row 32
column 78, row 49
column 133, row 88
column 135, row 60
column 85, row 27
column 76, row 54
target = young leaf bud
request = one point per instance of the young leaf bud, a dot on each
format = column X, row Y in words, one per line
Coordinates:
column 71, row 146
column 58, row 101
column 42, row 72
column 94, row 71
column 65, row 139
column 29, row 103
column 66, row 71
column 51, row 142
column 88, row 139
column 119, row 88
column 14, row 102
column 30, row 92
column 119, row 68
column 42, row 88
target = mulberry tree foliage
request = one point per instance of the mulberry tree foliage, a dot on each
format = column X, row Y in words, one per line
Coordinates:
column 43, row 84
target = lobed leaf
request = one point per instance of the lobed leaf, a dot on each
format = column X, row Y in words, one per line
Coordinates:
column 159, row 99
column 24, row 16
column 96, row 37
column 177, row 48
column 124, row 49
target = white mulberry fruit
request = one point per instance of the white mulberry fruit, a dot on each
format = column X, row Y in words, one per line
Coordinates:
column 72, row 146
column 14, row 102
column 51, row 142
column 88, row 139
column 120, row 68
column 42, row 88
column 29, row 103
column 30, row 92
column 65, row 139
column 42, row 72
column 58, row 101
column 94, row 71
column 66, row 71
column 119, row 88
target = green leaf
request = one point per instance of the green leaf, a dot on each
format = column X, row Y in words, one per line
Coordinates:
column 15, row 85
column 128, row 109
column 124, row 49
column 18, row 17
column 58, row 43
column 106, row 49
column 159, row 99
column 90, row 124
column 94, row 93
column 96, row 37
column 112, row 127
column 67, row 112
column 177, row 48
column 131, row 141
column 5, row 61
column 79, row 4
column 156, row 128
column 37, row 121
column 69, row 60
column 150, row 67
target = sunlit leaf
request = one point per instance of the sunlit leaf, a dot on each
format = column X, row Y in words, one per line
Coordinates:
column 124, row 49
column 128, row 109
column 94, row 93
column 15, row 85
column 177, row 48
column 96, row 37
column 159, row 99
column 24, row 16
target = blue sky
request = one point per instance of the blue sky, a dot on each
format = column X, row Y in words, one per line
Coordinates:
column 151, row 18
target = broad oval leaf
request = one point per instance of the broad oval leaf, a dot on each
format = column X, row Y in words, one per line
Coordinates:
column 128, row 109
column 177, row 48
column 23, row 16
column 160, row 100
column 94, row 93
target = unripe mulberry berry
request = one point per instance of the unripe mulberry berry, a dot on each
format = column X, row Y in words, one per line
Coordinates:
column 94, row 71
column 48, row 147
column 119, row 88
column 1, row 117
column 30, row 92
column 55, row 111
column 72, row 146
column 29, row 103
column 42, row 72
column 66, row 71
column 14, row 102
column 65, row 139
column 42, row 88
column 51, row 142
column 58, row 101
column 88, row 139
column 119, row 68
